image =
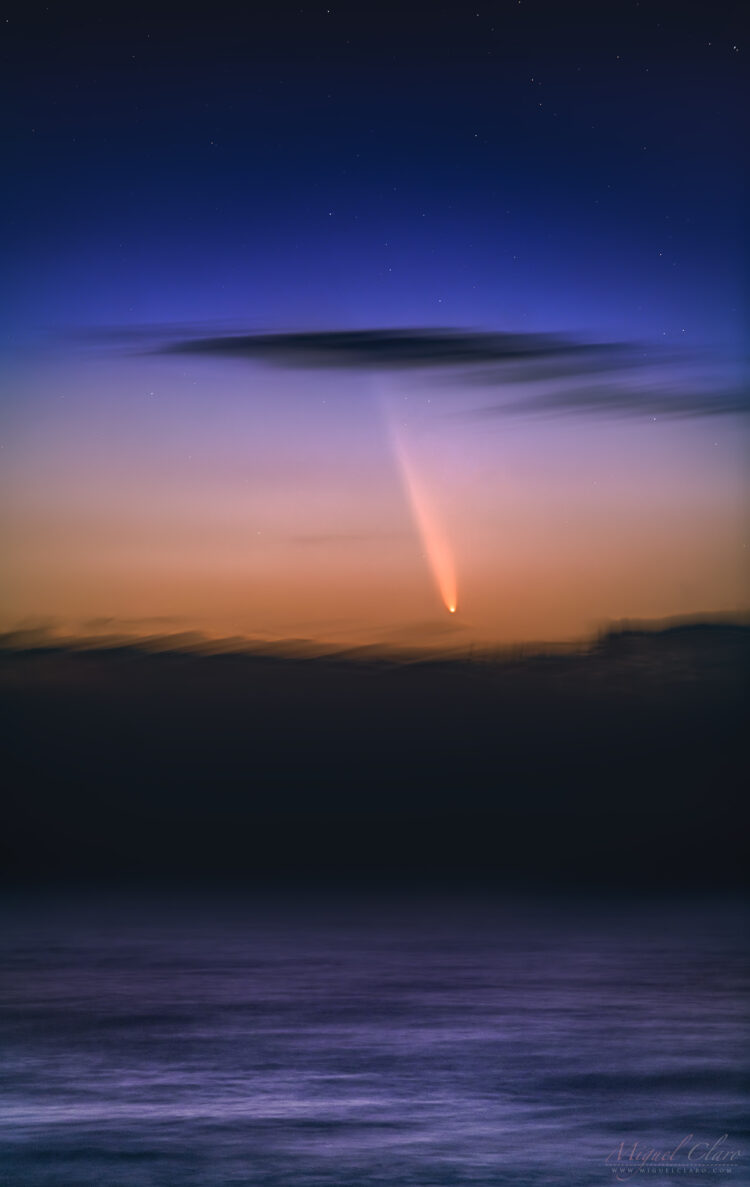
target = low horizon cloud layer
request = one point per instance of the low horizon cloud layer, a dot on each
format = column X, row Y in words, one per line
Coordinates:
column 429, row 636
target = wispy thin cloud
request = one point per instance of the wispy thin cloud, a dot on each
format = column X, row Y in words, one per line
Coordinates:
column 613, row 400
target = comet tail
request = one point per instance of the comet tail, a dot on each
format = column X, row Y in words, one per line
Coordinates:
column 436, row 546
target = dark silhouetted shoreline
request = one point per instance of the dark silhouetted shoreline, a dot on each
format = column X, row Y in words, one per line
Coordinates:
column 619, row 765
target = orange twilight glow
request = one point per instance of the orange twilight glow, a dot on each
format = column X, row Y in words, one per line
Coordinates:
column 145, row 498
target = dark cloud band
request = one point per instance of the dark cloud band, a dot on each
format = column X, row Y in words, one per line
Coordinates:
column 391, row 348
column 628, row 378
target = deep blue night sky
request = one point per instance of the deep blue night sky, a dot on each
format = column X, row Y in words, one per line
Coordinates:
column 517, row 165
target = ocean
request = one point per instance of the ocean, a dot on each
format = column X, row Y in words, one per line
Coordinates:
column 306, row 1039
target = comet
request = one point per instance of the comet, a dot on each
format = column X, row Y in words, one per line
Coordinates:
column 434, row 540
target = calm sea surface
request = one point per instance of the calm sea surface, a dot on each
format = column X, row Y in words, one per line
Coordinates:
column 306, row 1041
